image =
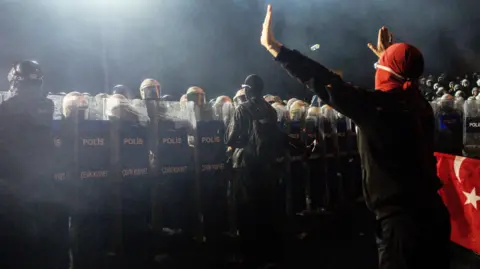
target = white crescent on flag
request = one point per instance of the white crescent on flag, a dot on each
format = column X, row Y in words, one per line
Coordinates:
column 457, row 164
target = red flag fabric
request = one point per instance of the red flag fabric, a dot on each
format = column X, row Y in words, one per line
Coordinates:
column 461, row 195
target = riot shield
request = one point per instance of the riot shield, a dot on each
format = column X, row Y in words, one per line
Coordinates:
column 95, row 230
column 57, row 102
column 314, row 188
column 471, row 128
column 213, row 176
column 348, row 160
column 173, row 206
column 130, row 169
column 298, row 168
column 449, row 126
column 4, row 95
column 328, row 131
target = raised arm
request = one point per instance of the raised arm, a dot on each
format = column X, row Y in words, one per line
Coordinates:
column 343, row 97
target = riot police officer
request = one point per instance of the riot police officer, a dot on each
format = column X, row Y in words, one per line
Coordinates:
column 28, row 207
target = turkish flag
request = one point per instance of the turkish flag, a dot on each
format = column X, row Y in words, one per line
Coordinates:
column 461, row 195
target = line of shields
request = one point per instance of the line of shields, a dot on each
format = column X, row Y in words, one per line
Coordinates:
column 133, row 172
column 457, row 125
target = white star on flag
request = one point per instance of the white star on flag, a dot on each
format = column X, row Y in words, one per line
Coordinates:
column 472, row 198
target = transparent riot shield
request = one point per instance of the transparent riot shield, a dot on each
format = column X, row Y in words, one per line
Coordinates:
column 57, row 102
column 348, row 163
column 328, row 131
column 130, row 169
column 172, row 191
column 298, row 166
column 449, row 127
column 98, row 107
column 212, row 172
column 141, row 108
column 4, row 95
column 471, row 136
column 95, row 229
column 313, row 190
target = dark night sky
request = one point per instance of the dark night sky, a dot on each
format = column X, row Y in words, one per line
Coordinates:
column 215, row 43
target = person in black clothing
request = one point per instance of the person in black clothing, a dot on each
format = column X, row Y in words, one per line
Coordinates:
column 396, row 124
column 252, row 136
column 28, row 206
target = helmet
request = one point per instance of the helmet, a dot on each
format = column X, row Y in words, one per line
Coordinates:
column 239, row 97
column 451, row 84
column 123, row 90
column 429, row 82
column 465, row 83
column 290, row 102
column 475, row 91
column 460, row 94
column 297, row 110
column 269, row 98
column 26, row 76
column 150, row 89
column 436, row 85
column 440, row 92
column 223, row 99
column 313, row 111
column 457, row 87
column 74, row 101
column 197, row 95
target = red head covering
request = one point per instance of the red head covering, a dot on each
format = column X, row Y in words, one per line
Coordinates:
column 399, row 68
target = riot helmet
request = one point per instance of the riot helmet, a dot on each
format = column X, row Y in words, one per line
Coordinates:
column 150, row 89
column 239, row 98
column 290, row 102
column 118, row 106
column 196, row 95
column 459, row 94
column 297, row 110
column 26, row 77
column 269, row 98
column 75, row 102
column 457, row 87
column 123, row 90
column 478, row 82
column 451, row 84
column 429, row 83
column 436, row 86
column 475, row 91
column 422, row 80
column 465, row 83
column 440, row 92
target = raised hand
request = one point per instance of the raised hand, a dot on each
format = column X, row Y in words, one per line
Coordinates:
column 267, row 39
column 385, row 40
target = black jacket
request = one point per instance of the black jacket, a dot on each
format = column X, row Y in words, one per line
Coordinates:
column 395, row 140
column 26, row 142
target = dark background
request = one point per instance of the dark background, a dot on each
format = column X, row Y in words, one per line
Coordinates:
column 92, row 45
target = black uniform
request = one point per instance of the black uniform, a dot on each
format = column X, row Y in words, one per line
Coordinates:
column 258, row 209
column 28, row 203
column 399, row 169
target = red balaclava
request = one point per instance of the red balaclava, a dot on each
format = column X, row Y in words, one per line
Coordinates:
column 399, row 68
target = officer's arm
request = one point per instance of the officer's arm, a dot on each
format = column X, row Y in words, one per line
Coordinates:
column 343, row 97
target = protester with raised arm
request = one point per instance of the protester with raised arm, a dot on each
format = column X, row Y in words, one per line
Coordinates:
column 396, row 147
